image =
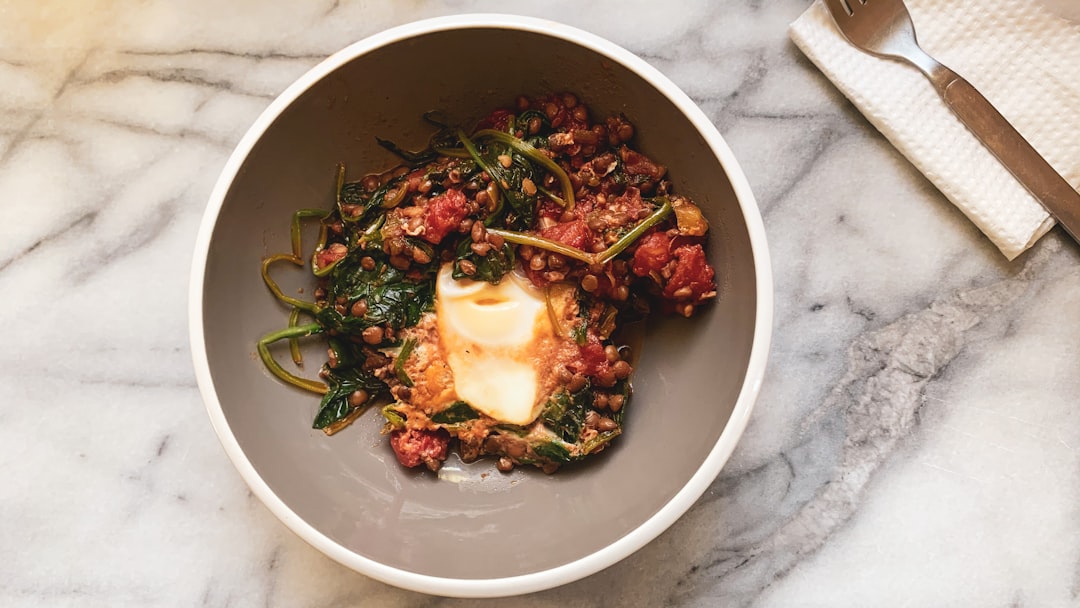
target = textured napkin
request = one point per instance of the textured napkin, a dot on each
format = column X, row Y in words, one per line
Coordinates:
column 1025, row 60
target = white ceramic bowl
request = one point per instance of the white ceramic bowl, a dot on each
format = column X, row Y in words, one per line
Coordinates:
column 473, row 532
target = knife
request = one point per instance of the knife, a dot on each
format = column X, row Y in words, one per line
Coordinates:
column 1015, row 153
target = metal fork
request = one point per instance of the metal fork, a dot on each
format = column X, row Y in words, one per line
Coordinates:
column 884, row 28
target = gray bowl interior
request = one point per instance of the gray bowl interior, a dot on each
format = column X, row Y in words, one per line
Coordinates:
column 474, row 523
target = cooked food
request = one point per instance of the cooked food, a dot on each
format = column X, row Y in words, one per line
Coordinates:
column 476, row 292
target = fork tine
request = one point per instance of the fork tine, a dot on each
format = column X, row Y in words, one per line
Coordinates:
column 839, row 9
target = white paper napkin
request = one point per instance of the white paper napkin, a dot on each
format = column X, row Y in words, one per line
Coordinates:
column 1025, row 60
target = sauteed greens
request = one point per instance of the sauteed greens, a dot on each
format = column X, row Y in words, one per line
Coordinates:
column 537, row 203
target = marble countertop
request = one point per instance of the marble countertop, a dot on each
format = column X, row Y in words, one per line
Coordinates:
column 916, row 442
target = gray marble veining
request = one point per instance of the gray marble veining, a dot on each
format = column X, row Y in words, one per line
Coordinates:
column 915, row 444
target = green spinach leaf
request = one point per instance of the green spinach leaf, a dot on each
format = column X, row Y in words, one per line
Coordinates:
column 355, row 203
column 343, row 382
column 456, row 413
column 399, row 362
column 552, row 451
column 491, row 267
column 564, row 413
column 393, row 417
column 392, row 299
column 522, row 206
column 521, row 123
column 601, row 440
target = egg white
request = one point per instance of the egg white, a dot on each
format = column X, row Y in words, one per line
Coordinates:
column 497, row 340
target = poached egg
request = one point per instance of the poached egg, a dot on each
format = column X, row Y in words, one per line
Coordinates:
column 500, row 344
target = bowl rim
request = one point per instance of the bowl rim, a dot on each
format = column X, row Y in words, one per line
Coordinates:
column 644, row 532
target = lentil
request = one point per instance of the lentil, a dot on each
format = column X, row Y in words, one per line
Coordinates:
column 615, row 402
column 359, row 308
column 589, row 283
column 480, row 249
column 358, row 397
column 477, row 232
column 373, row 335
column 577, row 382
column 612, row 353
column 592, row 419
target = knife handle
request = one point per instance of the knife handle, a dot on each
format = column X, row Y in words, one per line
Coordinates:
column 1014, row 152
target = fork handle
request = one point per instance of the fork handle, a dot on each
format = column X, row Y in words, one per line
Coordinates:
column 1014, row 152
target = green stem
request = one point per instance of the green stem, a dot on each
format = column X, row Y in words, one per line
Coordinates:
column 294, row 343
column 453, row 152
column 494, row 215
column 340, row 185
column 399, row 195
column 529, row 151
column 605, row 256
column 475, row 154
column 625, row 240
column 294, row 231
column 308, row 307
column 399, row 362
column 522, row 238
column 325, row 270
column 276, row 369
column 548, row 193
